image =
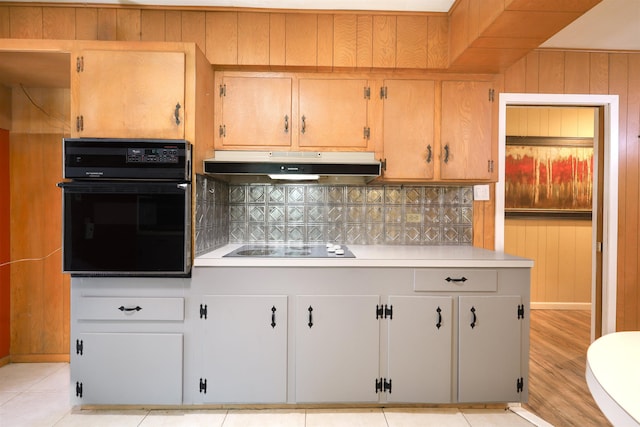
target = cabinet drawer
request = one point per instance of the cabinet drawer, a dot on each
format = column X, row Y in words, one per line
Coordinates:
column 455, row 280
column 108, row 308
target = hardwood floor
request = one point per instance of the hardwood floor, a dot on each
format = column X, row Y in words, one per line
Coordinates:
column 558, row 391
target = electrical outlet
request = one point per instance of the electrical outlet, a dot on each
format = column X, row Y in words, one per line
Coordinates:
column 413, row 217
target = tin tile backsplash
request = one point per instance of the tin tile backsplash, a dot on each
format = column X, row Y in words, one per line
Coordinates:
column 315, row 213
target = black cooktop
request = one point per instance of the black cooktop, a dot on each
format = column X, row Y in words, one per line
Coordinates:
column 301, row 250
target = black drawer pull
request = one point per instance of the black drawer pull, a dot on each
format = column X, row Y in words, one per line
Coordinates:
column 129, row 309
column 439, row 324
column 310, row 317
column 460, row 280
column 475, row 319
column 273, row 316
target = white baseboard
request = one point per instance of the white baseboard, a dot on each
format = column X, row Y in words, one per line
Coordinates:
column 560, row 305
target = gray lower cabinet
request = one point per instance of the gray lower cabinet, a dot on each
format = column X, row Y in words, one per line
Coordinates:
column 337, row 341
column 420, row 349
column 489, row 349
column 128, row 368
column 244, row 349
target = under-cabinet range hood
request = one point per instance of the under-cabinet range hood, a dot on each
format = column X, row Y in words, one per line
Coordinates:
column 269, row 166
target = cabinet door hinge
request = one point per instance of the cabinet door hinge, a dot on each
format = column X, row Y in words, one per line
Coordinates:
column 79, row 389
column 490, row 166
column 519, row 385
column 384, row 311
column 383, row 164
column 223, row 90
column 203, row 311
column 203, row 385
column 383, row 386
column 367, row 132
column 367, row 92
column 80, row 64
column 492, row 93
column 79, row 347
column 79, row 123
column 222, row 131
column 383, row 92
column 521, row 311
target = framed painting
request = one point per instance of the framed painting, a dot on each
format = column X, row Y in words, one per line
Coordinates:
column 548, row 176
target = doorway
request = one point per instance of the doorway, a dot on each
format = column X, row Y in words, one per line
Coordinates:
column 605, row 245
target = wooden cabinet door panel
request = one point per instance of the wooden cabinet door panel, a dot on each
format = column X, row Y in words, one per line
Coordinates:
column 256, row 112
column 337, row 348
column 490, row 335
column 420, row 338
column 129, row 368
column 409, row 147
column 332, row 113
column 245, row 349
column 130, row 94
column 465, row 138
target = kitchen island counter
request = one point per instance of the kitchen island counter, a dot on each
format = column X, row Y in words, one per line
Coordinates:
column 376, row 256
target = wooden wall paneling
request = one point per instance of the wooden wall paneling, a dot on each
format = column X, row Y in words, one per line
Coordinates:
column 532, row 70
column 598, row 73
column 345, row 34
column 5, row 22
column 301, row 32
column 437, row 42
column 127, row 24
column 459, row 29
column 107, row 24
column 325, row 41
column 490, row 10
column 5, row 253
column 194, row 28
column 86, row 23
column 152, row 25
column 632, row 226
column 551, row 72
column 583, row 259
column 569, row 119
column 222, row 38
column 627, row 283
column 576, row 65
column 586, row 122
column 173, row 26
column 59, row 23
column 554, row 123
column 277, row 39
column 515, row 76
column 365, row 41
column 5, row 108
column 384, row 41
column 253, row 38
column 566, row 261
column 26, row 22
column 412, row 41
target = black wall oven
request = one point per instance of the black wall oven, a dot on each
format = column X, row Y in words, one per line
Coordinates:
column 126, row 207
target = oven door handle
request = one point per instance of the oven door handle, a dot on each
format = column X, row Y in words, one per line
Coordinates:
column 182, row 186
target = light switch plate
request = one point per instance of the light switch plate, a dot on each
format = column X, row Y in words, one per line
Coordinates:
column 481, row 192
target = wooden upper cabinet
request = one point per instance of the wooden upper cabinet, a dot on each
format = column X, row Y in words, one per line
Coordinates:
column 301, row 39
column 466, row 131
column 409, row 149
column 256, row 111
column 333, row 113
column 128, row 94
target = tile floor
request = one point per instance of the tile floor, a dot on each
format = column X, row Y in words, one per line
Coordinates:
column 37, row 395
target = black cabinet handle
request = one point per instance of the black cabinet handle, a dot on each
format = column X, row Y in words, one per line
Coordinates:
column 429, row 154
column 304, row 124
column 460, row 280
column 310, row 317
column 128, row 309
column 176, row 113
column 273, row 316
column 475, row 318
column 439, row 311
column 446, row 153
column 286, row 124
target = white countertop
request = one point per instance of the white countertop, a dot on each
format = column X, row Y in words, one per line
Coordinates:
column 376, row 256
column 613, row 376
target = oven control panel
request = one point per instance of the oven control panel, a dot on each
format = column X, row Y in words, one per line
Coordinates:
column 152, row 155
